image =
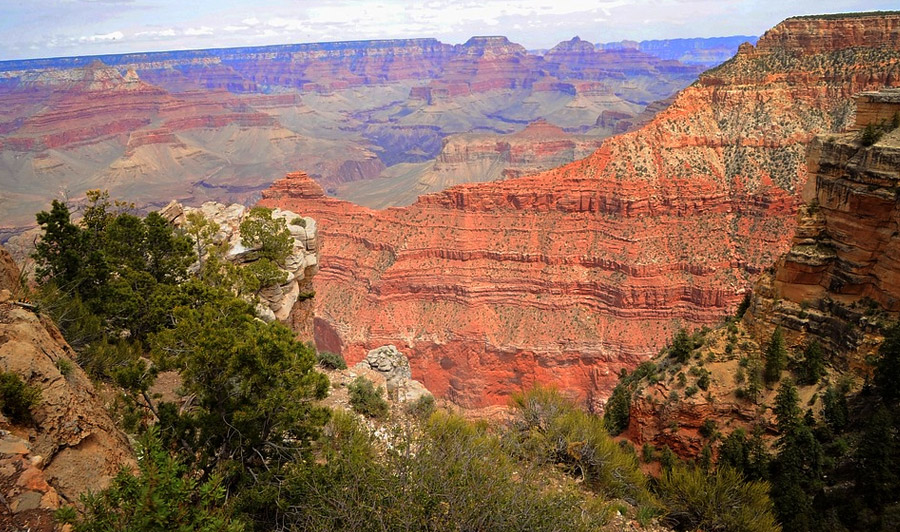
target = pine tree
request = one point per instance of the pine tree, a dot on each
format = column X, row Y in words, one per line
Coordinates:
column 776, row 357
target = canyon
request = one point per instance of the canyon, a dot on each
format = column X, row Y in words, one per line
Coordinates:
column 222, row 124
column 571, row 275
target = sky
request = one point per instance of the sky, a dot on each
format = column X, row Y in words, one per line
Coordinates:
column 52, row 28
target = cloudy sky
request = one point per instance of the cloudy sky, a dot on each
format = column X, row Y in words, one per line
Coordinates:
column 48, row 28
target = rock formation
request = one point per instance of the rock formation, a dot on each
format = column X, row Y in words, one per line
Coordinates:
column 837, row 285
column 289, row 302
column 73, row 443
column 394, row 368
column 571, row 275
column 841, row 277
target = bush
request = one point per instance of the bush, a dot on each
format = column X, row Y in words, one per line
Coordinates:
column 64, row 366
column 552, row 428
column 682, row 345
column 17, row 398
column 721, row 501
column 422, row 407
column 330, row 360
column 163, row 496
column 871, row 134
column 366, row 399
column 460, row 477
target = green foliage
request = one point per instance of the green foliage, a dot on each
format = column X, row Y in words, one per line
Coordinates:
column 835, row 409
column 366, row 399
column 262, row 273
column 65, row 367
column 787, row 412
column 162, row 497
column 618, row 409
column 202, row 231
column 330, row 360
column 703, row 381
column 269, row 236
column 691, row 391
column 682, row 346
column 422, row 407
column 648, row 453
column 747, row 455
column 721, row 501
column 253, row 384
column 798, row 469
column 551, row 428
column 108, row 267
column 878, row 457
column 871, row 134
column 17, row 399
column 812, row 365
column 299, row 221
column 708, row 428
column 776, row 357
column 887, row 366
column 459, row 477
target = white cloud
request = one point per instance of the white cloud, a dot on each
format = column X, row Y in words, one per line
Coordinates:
column 252, row 21
column 236, row 28
column 112, row 36
column 156, row 33
column 202, row 30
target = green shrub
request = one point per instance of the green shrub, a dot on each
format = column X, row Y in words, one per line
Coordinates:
column 422, row 407
column 552, row 428
column 366, row 399
column 703, row 381
column 64, row 366
column 330, row 360
column 690, row 391
column 299, row 221
column 708, row 428
column 163, row 496
column 682, row 345
column 17, row 398
column 721, row 501
column 871, row 134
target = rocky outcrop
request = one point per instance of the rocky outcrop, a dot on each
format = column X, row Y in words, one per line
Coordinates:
column 841, row 277
column 29, row 500
column 73, row 441
column 290, row 302
column 393, row 366
column 837, row 285
column 571, row 275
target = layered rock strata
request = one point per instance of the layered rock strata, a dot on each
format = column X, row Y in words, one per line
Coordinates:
column 568, row 276
column 840, row 280
column 837, row 285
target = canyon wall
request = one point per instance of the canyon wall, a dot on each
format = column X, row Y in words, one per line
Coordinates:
column 568, row 276
column 837, row 285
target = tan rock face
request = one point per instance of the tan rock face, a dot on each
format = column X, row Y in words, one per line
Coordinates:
column 28, row 499
column 567, row 276
column 79, row 444
column 841, row 277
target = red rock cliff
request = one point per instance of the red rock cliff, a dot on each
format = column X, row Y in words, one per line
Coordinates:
column 570, row 275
